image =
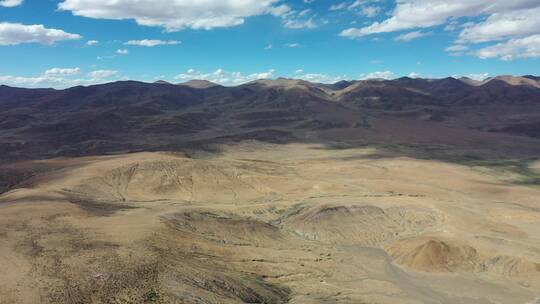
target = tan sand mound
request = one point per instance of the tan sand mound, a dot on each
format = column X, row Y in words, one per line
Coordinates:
column 509, row 266
column 359, row 224
column 226, row 228
column 247, row 226
column 174, row 179
column 433, row 255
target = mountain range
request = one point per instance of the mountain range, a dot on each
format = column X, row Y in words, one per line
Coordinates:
column 275, row 191
column 500, row 115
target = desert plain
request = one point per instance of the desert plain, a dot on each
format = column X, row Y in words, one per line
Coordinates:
column 244, row 224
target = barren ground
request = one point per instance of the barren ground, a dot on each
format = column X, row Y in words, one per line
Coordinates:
column 263, row 223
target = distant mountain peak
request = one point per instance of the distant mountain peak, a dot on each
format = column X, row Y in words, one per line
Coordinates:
column 530, row 81
column 470, row 81
column 199, row 84
column 162, row 82
column 281, row 82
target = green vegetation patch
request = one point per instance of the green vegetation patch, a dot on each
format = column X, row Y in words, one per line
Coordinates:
column 521, row 169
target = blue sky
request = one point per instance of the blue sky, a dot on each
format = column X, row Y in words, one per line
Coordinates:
column 53, row 43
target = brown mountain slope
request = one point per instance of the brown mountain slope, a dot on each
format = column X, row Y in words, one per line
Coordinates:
column 135, row 116
column 199, row 84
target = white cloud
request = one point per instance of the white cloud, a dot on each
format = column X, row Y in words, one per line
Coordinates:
column 59, row 78
column 477, row 77
column 318, row 78
column 527, row 47
column 378, row 75
column 16, row 33
column 152, row 42
column 293, row 19
column 280, row 11
column 10, row 3
column 223, row 77
column 101, row 74
column 305, row 12
column 370, row 11
column 415, row 75
column 412, row 35
column 514, row 24
column 20, row 81
column 174, row 15
column 452, row 26
column 457, row 48
column 292, row 45
column 339, row 6
column 269, row 47
column 92, row 42
column 122, row 52
column 62, row 71
column 356, row 4
column 503, row 25
column 299, row 24
column 410, row 14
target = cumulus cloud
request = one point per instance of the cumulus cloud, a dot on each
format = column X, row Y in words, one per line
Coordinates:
column 477, row 76
column 92, row 42
column 355, row 4
column 280, row 11
column 527, row 47
column 10, row 3
column 60, row 78
column 360, row 6
column 62, row 71
column 378, row 75
column 370, row 11
column 410, row 14
column 101, row 74
column 152, row 42
column 457, row 49
column 339, row 6
column 318, row 78
column 305, row 12
column 295, row 19
column 223, row 77
column 38, row 81
column 299, row 24
column 16, row 33
column 174, row 15
column 122, row 52
column 511, row 23
column 503, row 25
column 292, row 45
column 412, row 35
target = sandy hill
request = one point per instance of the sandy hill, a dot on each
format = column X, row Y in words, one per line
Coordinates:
column 246, row 225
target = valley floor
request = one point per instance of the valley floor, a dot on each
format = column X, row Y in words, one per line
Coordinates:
column 248, row 225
